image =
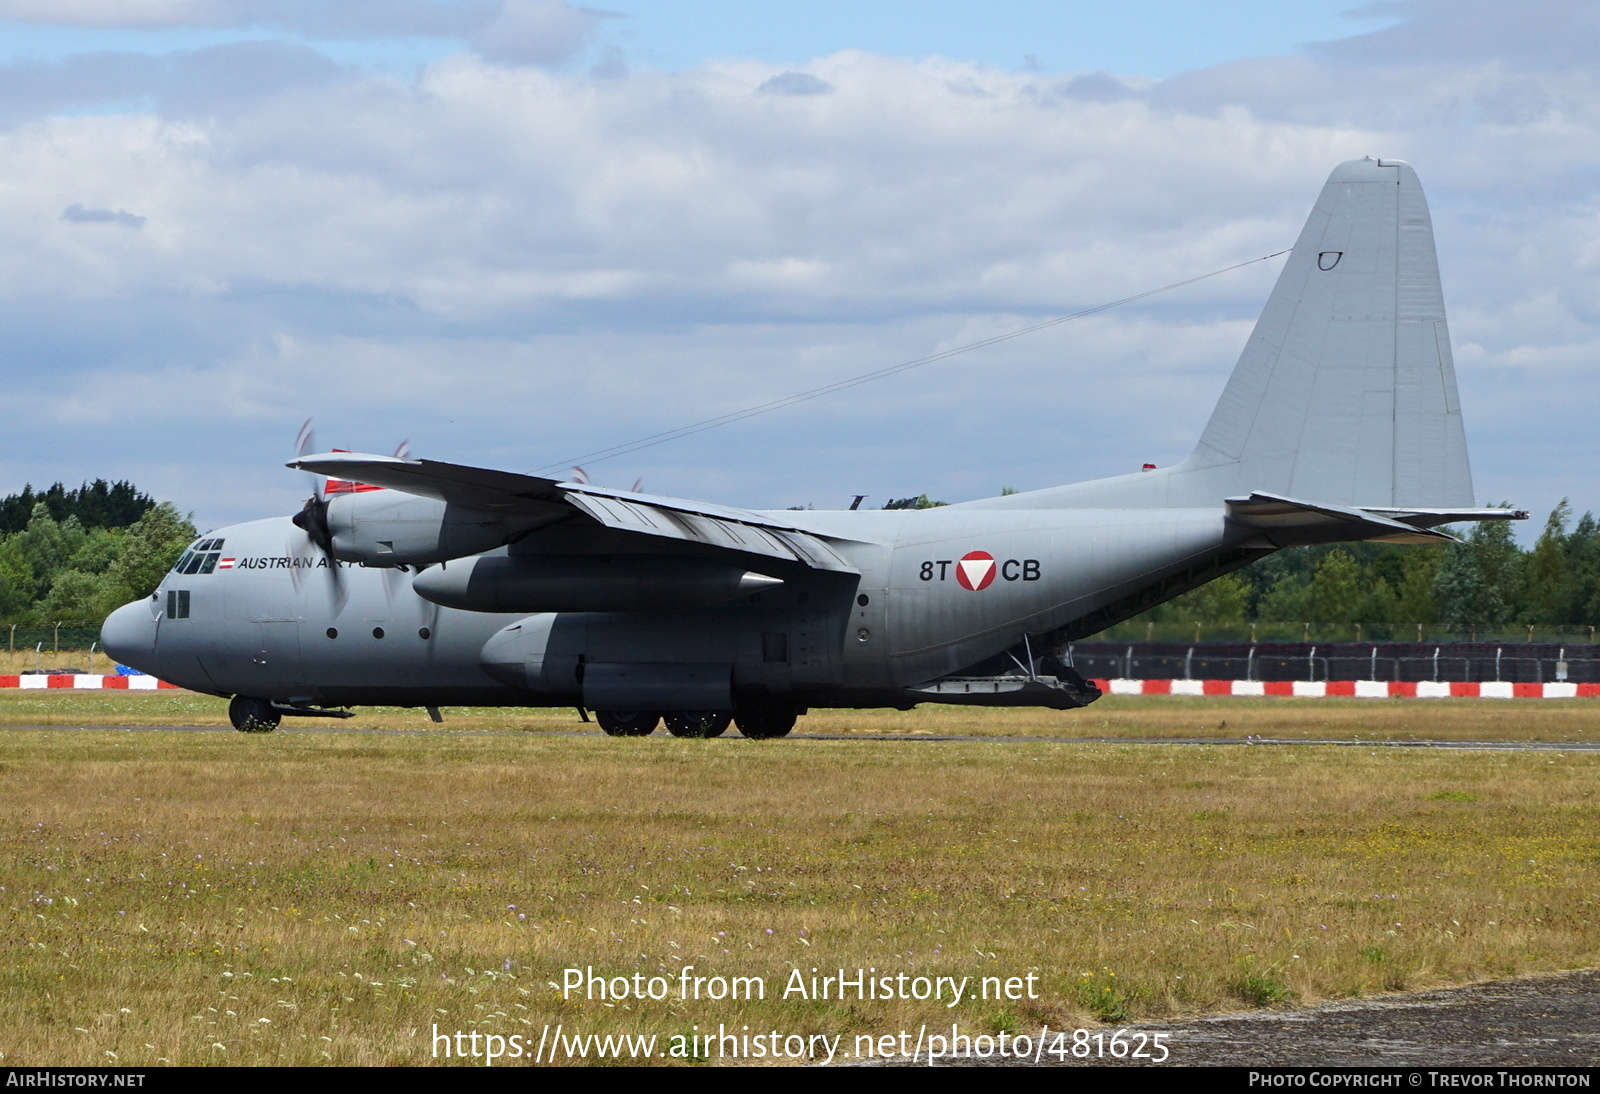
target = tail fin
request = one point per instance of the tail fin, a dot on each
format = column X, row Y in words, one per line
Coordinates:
column 1346, row 392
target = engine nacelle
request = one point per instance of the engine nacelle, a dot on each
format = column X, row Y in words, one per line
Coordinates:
column 390, row 528
column 586, row 583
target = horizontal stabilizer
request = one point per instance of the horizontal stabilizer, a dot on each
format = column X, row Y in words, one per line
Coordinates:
column 1289, row 522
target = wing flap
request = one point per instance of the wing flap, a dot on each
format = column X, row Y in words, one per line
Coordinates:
column 750, row 535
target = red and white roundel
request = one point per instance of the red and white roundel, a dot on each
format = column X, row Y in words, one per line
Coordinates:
column 975, row 570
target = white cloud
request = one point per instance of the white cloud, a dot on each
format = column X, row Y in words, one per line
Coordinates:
column 516, row 265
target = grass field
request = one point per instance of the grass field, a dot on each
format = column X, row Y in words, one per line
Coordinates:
column 1576, row 720
column 24, row 660
column 317, row 897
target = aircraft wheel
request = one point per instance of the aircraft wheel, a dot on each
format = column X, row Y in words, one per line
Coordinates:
column 252, row 715
column 698, row 723
column 627, row 723
column 764, row 723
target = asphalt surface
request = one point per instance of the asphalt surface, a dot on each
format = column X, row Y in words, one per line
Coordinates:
column 334, row 726
column 1547, row 1021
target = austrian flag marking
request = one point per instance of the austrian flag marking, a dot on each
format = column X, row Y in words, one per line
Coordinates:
column 975, row 570
column 226, row 563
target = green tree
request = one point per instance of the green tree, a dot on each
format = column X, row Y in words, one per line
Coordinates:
column 1287, row 601
column 96, row 505
column 1415, row 601
column 49, row 546
column 919, row 502
column 1583, row 554
column 17, row 584
column 1547, row 577
column 1337, row 591
column 148, row 549
column 1225, row 600
column 78, row 597
column 1478, row 581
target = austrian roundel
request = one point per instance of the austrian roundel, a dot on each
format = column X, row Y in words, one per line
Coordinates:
column 975, row 570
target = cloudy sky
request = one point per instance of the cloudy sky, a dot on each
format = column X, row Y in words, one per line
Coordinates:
column 516, row 232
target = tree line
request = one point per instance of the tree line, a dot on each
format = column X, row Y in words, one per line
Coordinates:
column 1487, row 581
column 77, row 554
column 80, row 553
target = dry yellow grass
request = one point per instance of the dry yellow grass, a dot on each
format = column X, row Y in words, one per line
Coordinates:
column 21, row 660
column 1143, row 717
column 304, row 898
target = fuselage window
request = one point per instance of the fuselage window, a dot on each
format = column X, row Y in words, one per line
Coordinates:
column 177, row 603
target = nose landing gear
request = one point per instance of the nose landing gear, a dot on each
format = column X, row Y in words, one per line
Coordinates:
column 250, row 715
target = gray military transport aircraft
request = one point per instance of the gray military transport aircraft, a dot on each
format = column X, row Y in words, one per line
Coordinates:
column 416, row 583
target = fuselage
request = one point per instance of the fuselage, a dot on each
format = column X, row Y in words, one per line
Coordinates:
column 937, row 592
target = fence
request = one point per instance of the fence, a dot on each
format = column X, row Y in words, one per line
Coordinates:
column 1258, row 633
column 1479, row 662
column 51, row 637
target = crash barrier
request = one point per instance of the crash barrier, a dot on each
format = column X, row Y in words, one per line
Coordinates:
column 1355, row 689
column 1393, row 662
column 82, row 680
column 1304, row 689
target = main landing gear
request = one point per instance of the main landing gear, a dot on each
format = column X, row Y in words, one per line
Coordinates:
column 759, row 723
column 627, row 723
column 764, row 723
column 698, row 723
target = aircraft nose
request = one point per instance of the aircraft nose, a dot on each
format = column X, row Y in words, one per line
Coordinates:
column 129, row 636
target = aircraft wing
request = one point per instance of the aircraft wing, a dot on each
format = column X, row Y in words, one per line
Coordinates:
column 474, row 487
column 505, row 492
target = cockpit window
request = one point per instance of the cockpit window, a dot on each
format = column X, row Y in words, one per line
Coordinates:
column 200, row 559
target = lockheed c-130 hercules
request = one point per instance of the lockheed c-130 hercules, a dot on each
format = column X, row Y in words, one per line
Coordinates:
column 475, row 587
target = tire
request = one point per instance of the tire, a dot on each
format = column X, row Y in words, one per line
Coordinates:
column 250, row 715
column 765, row 723
column 698, row 723
column 627, row 723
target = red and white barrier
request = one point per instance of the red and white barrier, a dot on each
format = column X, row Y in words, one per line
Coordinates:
column 1357, row 689
column 1300, row 689
column 84, row 680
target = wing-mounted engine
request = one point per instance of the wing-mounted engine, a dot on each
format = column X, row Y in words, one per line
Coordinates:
column 389, row 528
column 587, row 583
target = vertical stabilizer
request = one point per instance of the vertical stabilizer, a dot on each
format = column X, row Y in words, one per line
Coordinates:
column 1346, row 392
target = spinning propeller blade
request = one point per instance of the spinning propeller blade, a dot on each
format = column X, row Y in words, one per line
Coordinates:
column 312, row 519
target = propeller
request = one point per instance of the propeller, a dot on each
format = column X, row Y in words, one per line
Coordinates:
column 579, row 475
column 312, row 519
